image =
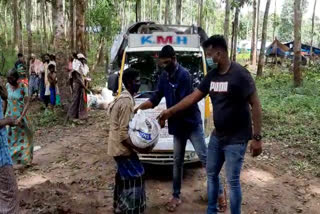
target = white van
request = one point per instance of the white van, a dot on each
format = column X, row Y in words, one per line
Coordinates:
column 141, row 53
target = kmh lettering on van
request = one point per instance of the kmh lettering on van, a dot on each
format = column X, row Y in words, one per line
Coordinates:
column 179, row 40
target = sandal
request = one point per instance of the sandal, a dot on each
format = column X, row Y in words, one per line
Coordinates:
column 222, row 202
column 172, row 205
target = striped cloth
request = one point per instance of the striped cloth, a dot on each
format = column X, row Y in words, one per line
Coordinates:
column 129, row 191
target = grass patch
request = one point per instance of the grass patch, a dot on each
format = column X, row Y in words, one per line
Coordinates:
column 292, row 115
column 46, row 118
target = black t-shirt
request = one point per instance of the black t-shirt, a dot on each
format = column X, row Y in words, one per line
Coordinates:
column 229, row 95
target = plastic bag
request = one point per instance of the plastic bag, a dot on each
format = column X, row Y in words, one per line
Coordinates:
column 107, row 95
column 92, row 100
column 58, row 100
column 143, row 131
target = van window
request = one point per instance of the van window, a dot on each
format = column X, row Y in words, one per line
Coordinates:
column 146, row 63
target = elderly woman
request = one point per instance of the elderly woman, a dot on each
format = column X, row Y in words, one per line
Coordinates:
column 78, row 107
column 20, row 138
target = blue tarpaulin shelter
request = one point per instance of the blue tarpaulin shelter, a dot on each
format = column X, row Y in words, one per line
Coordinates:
column 304, row 48
column 277, row 49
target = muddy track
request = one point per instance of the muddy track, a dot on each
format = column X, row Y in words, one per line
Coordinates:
column 73, row 174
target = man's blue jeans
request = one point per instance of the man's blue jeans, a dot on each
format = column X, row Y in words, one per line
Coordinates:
column 197, row 139
column 233, row 154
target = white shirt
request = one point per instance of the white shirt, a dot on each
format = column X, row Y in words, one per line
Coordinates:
column 76, row 65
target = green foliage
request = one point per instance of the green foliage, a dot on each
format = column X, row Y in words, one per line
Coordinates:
column 291, row 115
column 99, row 78
column 101, row 18
column 7, row 60
column 286, row 27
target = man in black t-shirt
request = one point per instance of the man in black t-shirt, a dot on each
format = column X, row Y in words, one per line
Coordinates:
column 232, row 92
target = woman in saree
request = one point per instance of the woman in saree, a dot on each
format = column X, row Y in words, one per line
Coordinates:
column 78, row 107
column 20, row 138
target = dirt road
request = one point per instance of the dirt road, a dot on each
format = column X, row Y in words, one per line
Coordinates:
column 73, row 174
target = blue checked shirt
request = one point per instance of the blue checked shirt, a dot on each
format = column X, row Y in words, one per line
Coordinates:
column 5, row 158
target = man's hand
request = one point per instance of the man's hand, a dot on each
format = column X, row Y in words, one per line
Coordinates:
column 256, row 148
column 145, row 150
column 163, row 116
column 11, row 121
column 136, row 110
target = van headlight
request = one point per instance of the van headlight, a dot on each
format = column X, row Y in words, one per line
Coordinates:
column 191, row 155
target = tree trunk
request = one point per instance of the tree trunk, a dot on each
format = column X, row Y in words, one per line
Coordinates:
column 81, row 4
column 232, row 39
column 151, row 11
column 235, row 34
column 21, row 46
column 129, row 12
column 16, row 27
column 61, row 54
column 54, row 17
column 39, row 24
column 138, row 10
column 49, row 21
column 28, row 24
column 72, row 25
column 4, row 24
column 253, row 55
column 167, row 12
column 264, row 39
column 178, row 11
column 258, row 23
column 227, row 21
column 200, row 18
column 297, row 44
column 312, row 30
column 65, row 19
column 144, row 10
column 99, row 56
column 44, row 25
column 274, row 20
column 160, row 11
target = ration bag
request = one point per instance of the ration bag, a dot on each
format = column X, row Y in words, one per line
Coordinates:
column 144, row 132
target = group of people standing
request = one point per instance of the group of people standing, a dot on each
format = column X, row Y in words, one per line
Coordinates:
column 16, row 132
column 237, row 120
column 43, row 82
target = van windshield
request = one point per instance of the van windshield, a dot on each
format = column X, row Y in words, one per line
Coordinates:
column 146, row 63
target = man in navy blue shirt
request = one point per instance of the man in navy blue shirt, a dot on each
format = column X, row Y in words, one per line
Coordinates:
column 175, row 84
column 237, row 119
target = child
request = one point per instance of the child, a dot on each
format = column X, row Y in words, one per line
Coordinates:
column 52, row 78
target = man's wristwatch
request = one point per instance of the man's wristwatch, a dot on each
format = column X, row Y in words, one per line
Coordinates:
column 257, row 137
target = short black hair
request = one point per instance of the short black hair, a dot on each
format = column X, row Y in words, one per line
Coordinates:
column 74, row 55
column 128, row 75
column 52, row 57
column 20, row 55
column 51, row 66
column 167, row 52
column 216, row 41
column 13, row 73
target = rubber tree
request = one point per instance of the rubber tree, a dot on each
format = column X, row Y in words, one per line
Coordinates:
column 264, row 39
column 297, row 75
